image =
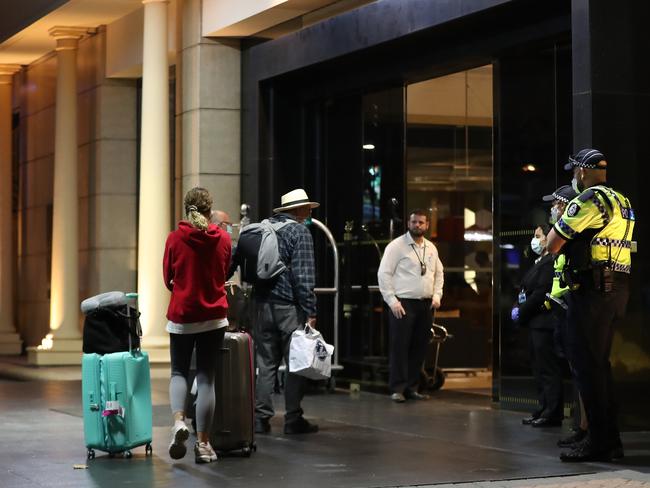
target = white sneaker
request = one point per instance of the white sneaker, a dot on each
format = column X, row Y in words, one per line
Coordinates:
column 204, row 452
column 180, row 433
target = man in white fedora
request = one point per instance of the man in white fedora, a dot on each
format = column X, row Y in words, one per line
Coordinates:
column 284, row 304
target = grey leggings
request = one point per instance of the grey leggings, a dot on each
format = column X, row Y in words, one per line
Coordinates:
column 207, row 347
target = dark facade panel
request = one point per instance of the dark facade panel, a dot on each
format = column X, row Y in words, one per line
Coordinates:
column 23, row 13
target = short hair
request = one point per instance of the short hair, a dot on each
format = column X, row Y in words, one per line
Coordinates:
column 421, row 212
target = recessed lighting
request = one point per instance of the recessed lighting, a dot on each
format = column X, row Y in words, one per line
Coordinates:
column 529, row 168
column 368, row 147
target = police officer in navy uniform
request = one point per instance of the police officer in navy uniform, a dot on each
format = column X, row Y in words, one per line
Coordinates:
column 595, row 233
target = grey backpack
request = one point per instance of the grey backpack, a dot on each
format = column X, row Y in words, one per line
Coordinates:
column 258, row 251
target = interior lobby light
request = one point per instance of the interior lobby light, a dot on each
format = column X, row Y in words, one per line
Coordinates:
column 368, row 147
column 529, row 168
column 478, row 235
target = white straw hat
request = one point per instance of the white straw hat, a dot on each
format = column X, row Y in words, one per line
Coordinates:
column 294, row 199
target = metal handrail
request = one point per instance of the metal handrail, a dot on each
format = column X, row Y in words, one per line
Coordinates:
column 332, row 291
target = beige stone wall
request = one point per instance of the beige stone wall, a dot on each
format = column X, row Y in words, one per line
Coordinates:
column 107, row 183
column 209, row 77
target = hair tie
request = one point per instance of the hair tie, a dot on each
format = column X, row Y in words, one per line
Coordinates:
column 192, row 207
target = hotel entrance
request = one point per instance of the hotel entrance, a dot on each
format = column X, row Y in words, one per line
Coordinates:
column 372, row 156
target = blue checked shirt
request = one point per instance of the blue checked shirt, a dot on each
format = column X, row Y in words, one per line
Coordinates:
column 296, row 284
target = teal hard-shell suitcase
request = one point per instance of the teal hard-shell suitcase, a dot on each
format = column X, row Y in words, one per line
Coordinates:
column 116, row 398
column 117, row 411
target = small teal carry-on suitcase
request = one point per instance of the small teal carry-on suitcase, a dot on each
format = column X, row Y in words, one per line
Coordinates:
column 116, row 396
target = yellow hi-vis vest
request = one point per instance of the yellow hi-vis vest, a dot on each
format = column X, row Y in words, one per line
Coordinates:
column 610, row 217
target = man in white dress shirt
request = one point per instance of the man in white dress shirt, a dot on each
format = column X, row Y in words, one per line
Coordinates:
column 410, row 279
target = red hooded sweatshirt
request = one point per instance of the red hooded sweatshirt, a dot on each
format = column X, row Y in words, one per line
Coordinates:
column 195, row 267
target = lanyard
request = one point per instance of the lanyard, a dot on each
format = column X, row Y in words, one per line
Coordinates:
column 423, row 266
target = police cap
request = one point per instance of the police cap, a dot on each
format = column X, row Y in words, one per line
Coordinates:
column 587, row 158
column 564, row 194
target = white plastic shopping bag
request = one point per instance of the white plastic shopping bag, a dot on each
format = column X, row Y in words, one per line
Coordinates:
column 310, row 355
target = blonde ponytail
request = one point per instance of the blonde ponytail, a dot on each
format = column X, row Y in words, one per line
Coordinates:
column 198, row 204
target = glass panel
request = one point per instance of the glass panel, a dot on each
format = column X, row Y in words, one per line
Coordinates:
column 534, row 141
column 449, row 174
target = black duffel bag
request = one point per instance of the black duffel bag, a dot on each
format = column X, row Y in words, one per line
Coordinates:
column 107, row 330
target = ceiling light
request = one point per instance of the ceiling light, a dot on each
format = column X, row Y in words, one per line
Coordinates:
column 529, row 168
column 368, row 147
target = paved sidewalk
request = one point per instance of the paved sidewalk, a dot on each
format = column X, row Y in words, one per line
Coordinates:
column 612, row 479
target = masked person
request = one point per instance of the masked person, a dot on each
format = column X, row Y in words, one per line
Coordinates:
column 595, row 234
column 559, row 199
column 284, row 304
column 530, row 312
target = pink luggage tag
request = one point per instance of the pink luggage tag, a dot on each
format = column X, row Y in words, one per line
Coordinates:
column 113, row 407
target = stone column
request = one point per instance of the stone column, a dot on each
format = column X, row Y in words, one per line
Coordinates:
column 10, row 342
column 155, row 176
column 63, row 344
column 210, row 111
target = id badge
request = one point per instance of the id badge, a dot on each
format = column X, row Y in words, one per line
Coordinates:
column 521, row 298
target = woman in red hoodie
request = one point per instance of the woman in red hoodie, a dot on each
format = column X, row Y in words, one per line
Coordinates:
column 195, row 265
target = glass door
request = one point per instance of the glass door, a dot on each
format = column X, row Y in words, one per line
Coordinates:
column 449, row 167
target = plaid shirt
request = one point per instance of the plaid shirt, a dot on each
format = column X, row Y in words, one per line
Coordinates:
column 296, row 284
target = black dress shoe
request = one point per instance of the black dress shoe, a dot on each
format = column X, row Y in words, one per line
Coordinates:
column 262, row 426
column 529, row 420
column 572, row 440
column 546, row 422
column 300, row 426
column 585, row 454
column 414, row 395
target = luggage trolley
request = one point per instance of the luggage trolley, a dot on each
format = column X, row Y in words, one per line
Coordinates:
column 433, row 377
column 334, row 290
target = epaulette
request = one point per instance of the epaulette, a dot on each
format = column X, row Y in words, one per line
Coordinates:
column 586, row 195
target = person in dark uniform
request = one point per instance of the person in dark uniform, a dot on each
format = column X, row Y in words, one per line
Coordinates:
column 595, row 233
column 559, row 199
column 530, row 312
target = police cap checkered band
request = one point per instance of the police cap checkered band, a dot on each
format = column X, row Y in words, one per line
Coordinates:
column 587, row 158
column 564, row 194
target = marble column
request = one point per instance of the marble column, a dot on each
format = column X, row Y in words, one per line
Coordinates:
column 154, row 222
column 10, row 343
column 63, row 344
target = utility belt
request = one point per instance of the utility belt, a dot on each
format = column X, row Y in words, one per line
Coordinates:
column 600, row 277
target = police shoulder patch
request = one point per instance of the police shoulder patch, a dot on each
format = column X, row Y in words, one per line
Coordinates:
column 573, row 209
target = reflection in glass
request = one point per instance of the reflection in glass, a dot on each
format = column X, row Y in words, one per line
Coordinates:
column 449, row 173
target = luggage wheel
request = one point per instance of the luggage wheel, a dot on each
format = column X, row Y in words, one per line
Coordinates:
column 128, row 454
column 432, row 379
column 247, row 451
column 90, row 454
column 148, row 450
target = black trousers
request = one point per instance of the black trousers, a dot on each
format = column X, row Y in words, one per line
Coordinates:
column 547, row 370
column 590, row 329
column 409, row 337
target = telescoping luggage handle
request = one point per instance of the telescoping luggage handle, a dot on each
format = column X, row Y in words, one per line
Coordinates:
column 136, row 323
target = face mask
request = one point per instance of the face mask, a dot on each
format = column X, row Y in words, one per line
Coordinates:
column 536, row 245
column 555, row 215
column 576, row 185
column 229, row 229
column 307, row 221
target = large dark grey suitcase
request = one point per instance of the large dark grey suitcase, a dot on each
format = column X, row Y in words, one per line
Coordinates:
column 234, row 413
